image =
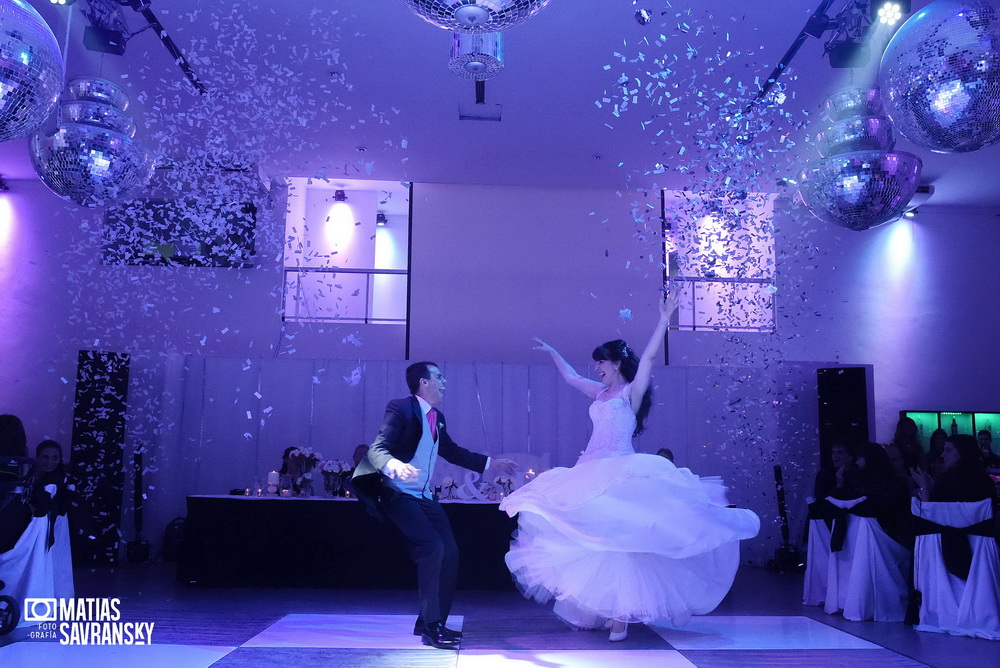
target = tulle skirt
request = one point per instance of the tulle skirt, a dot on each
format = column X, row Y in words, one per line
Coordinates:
column 31, row 570
column 631, row 538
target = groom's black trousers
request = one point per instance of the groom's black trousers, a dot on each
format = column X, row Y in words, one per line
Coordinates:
column 427, row 530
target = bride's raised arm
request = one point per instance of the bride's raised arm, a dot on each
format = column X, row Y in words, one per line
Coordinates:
column 589, row 387
column 668, row 304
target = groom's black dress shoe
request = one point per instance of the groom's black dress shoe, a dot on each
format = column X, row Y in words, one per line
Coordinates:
column 435, row 635
column 418, row 629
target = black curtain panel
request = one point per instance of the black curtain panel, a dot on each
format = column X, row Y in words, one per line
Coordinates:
column 96, row 461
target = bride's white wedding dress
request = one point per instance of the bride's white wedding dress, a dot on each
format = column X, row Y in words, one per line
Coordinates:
column 623, row 535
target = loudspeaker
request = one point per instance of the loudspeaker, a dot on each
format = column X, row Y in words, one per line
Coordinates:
column 845, row 399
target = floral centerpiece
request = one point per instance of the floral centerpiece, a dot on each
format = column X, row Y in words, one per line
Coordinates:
column 334, row 471
column 504, row 485
column 301, row 462
column 449, row 486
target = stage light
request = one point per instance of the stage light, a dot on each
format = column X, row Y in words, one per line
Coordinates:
column 889, row 12
column 62, row 2
column 380, row 219
column 339, row 196
column 848, row 53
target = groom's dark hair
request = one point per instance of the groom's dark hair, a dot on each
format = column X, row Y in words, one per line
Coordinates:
column 415, row 372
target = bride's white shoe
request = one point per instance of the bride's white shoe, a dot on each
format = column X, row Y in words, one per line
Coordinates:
column 619, row 635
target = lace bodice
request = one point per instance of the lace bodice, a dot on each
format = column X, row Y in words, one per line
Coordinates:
column 614, row 422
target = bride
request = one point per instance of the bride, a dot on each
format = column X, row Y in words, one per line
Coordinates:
column 624, row 537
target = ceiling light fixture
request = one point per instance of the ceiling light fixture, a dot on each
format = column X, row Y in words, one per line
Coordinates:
column 889, row 12
column 475, row 15
column 339, row 196
column 847, row 46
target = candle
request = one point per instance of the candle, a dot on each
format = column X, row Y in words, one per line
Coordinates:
column 272, row 478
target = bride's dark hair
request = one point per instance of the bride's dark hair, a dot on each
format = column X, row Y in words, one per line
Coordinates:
column 618, row 351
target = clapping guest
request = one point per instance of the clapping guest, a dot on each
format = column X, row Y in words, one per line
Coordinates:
column 964, row 477
column 838, row 479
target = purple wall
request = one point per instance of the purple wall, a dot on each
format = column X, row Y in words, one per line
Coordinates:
column 491, row 268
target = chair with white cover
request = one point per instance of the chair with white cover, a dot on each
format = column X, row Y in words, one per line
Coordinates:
column 817, row 561
column 866, row 578
column 949, row 603
column 40, row 564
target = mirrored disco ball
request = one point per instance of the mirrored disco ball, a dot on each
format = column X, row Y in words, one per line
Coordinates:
column 851, row 102
column 477, row 56
column 867, row 133
column 31, row 70
column 861, row 189
column 91, row 157
column 941, row 76
column 475, row 15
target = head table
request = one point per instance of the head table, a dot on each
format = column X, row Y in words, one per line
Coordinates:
column 248, row 541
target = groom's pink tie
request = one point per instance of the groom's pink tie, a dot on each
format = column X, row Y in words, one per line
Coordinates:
column 432, row 417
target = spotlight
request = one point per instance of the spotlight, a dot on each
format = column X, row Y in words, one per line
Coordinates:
column 339, row 196
column 889, row 12
column 62, row 2
column 848, row 53
column 3, row 185
column 104, row 40
column 380, row 219
column 818, row 24
column 911, row 213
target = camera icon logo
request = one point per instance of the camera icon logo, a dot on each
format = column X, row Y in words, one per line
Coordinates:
column 40, row 609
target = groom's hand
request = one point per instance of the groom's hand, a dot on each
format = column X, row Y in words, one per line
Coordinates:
column 401, row 470
column 506, row 466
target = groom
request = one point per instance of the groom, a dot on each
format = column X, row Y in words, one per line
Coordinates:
column 395, row 480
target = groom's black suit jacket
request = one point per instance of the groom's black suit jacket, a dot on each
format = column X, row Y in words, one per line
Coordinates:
column 398, row 437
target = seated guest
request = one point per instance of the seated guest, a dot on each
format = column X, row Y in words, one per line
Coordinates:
column 900, row 468
column 837, row 479
column 666, row 452
column 933, row 463
column 888, row 498
column 964, row 477
column 39, row 565
column 907, row 439
column 990, row 458
column 360, row 453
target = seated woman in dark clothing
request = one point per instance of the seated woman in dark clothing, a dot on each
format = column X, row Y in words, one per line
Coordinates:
column 907, row 438
column 888, row 497
column 964, row 477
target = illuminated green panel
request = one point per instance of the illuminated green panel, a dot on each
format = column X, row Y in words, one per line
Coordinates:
column 988, row 421
column 926, row 423
column 959, row 423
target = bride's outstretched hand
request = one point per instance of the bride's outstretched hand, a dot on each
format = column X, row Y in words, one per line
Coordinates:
column 543, row 346
column 670, row 300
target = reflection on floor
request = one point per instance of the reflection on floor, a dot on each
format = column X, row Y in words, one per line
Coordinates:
column 761, row 623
